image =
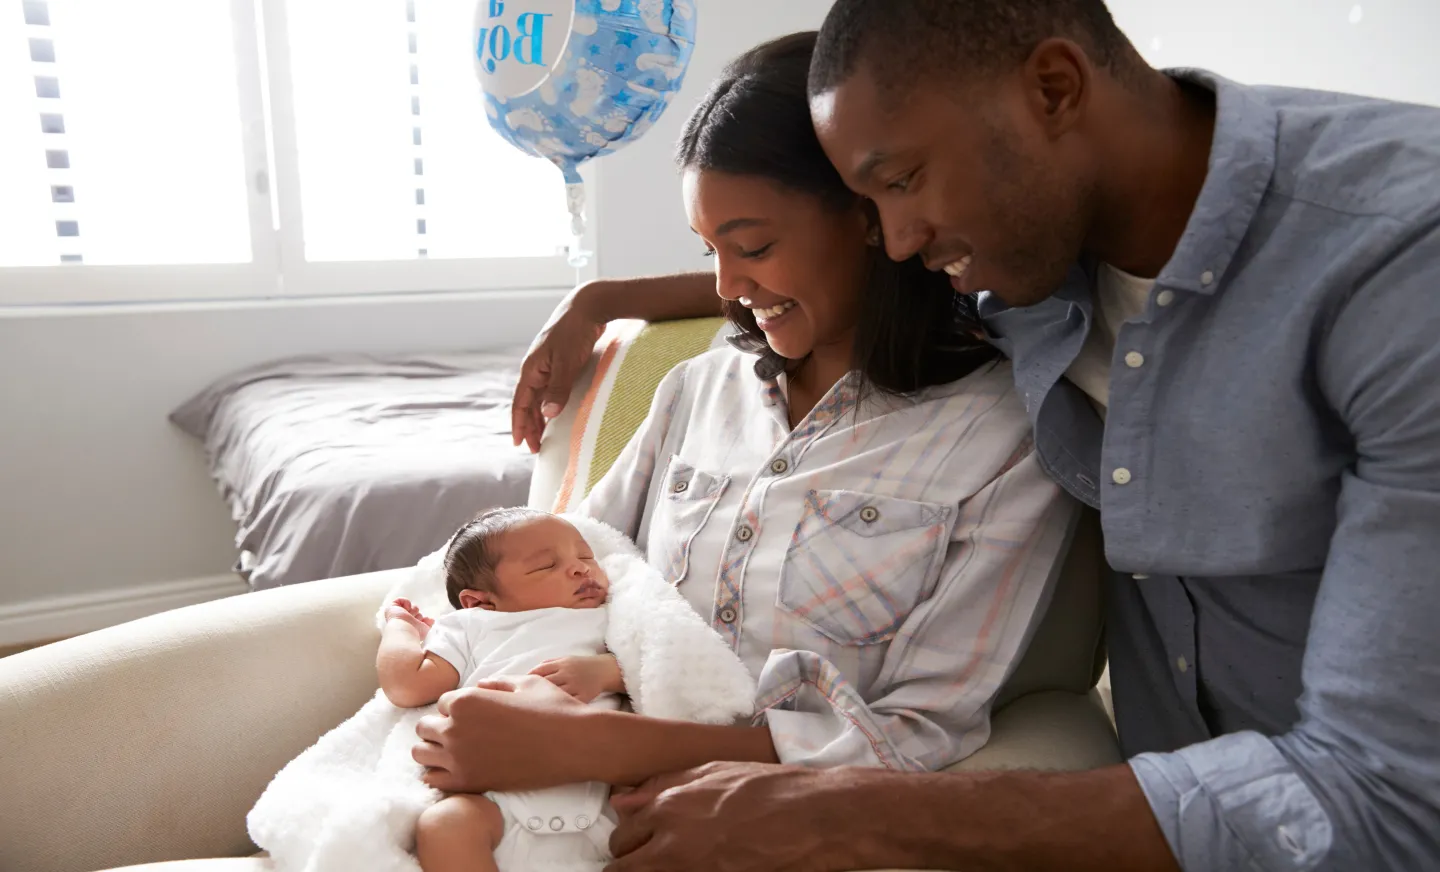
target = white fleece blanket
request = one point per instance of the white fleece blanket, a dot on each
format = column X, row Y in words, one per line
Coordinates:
column 351, row 800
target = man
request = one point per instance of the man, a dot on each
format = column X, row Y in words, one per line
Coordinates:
column 1252, row 328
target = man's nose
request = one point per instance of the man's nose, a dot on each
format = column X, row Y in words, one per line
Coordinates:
column 906, row 234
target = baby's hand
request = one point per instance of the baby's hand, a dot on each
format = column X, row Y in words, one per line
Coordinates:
column 404, row 610
column 583, row 677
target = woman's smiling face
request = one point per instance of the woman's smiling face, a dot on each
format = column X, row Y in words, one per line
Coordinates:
column 798, row 266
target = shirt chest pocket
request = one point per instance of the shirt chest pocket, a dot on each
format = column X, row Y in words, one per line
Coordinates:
column 683, row 508
column 858, row 564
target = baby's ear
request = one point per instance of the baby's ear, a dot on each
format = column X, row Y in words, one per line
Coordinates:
column 477, row 599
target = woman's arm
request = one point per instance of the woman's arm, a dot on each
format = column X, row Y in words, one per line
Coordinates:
column 637, row 748
column 527, row 734
column 408, row 676
column 931, row 704
column 564, row 344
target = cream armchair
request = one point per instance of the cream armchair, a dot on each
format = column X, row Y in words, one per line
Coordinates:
column 148, row 742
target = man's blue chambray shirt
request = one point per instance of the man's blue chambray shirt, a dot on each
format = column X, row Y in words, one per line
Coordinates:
column 1269, row 483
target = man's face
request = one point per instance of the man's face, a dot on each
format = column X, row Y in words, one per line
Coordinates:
column 981, row 182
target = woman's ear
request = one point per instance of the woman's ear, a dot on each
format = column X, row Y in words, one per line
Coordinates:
column 477, row 599
column 873, row 235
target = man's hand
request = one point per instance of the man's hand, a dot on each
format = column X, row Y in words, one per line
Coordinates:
column 550, row 368
column 506, row 734
column 583, row 677
column 744, row 817
column 561, row 350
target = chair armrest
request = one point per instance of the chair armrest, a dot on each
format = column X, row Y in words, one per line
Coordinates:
column 151, row 740
column 1054, row 730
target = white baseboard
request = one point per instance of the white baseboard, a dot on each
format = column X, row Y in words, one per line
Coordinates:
column 58, row 617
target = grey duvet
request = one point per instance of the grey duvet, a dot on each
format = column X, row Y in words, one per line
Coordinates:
column 341, row 464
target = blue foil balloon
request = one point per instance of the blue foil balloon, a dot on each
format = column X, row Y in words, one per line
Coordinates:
column 568, row 80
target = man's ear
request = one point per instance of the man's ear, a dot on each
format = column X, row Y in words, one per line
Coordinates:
column 1058, row 78
column 477, row 599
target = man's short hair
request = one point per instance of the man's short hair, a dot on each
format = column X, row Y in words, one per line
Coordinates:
column 898, row 41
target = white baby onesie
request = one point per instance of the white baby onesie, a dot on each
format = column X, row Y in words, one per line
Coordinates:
column 559, row 829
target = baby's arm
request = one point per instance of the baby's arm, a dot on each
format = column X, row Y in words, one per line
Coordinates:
column 583, row 677
column 408, row 676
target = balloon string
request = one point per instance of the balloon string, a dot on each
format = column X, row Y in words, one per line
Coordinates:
column 575, row 199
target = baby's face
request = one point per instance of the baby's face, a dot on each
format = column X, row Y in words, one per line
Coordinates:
column 545, row 563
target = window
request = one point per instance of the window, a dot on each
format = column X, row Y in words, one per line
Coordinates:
column 162, row 149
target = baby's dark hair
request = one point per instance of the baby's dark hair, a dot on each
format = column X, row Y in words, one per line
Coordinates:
column 471, row 559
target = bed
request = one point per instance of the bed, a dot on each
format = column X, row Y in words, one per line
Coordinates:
column 343, row 464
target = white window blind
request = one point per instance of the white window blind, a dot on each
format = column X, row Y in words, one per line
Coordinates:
column 121, row 134
column 396, row 158
column 154, row 149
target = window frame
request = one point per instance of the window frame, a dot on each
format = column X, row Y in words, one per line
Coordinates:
column 277, row 268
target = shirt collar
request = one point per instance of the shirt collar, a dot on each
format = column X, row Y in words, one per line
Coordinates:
column 769, row 365
column 1242, row 164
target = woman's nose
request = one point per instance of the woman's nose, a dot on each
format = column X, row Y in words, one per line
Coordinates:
column 730, row 281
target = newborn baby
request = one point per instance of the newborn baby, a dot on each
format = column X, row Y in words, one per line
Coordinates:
column 530, row 598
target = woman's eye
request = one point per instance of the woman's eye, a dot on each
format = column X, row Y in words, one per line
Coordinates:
column 709, row 252
column 759, row 252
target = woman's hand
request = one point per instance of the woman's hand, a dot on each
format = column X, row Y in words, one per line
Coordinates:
column 551, row 366
column 583, row 677
column 506, row 734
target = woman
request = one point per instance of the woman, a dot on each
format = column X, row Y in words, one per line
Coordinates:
column 848, row 495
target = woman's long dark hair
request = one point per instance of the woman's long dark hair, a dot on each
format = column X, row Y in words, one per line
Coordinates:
column 914, row 331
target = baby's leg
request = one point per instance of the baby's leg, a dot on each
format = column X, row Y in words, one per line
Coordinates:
column 459, row 834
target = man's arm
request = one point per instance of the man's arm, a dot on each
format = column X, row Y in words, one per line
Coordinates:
column 652, row 298
column 1356, row 783
column 563, row 346
column 811, row 820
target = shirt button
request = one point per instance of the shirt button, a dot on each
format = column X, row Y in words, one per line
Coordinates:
column 1120, row 476
column 1134, row 360
column 557, row 824
column 681, row 487
column 1165, row 298
column 1207, row 278
column 534, row 823
column 869, row 514
column 727, row 616
column 582, row 822
column 779, row 466
column 1182, row 664
column 744, row 534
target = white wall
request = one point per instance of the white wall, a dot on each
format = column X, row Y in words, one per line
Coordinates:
column 1380, row 48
